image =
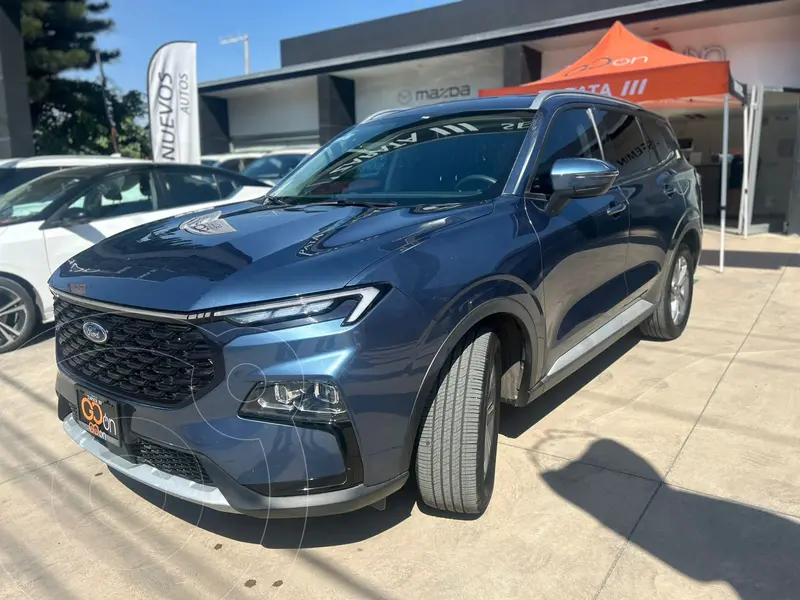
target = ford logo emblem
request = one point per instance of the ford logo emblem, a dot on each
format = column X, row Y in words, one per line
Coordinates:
column 95, row 332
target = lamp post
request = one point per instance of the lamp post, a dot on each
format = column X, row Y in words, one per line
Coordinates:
column 235, row 40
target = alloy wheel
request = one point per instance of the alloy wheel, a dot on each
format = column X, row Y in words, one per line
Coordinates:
column 491, row 407
column 13, row 317
column 679, row 291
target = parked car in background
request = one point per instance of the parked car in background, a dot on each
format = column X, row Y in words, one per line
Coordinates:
column 416, row 272
column 237, row 161
column 16, row 171
column 46, row 221
column 273, row 167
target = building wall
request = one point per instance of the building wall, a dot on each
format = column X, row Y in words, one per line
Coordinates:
column 759, row 52
column 427, row 81
column 456, row 19
column 286, row 108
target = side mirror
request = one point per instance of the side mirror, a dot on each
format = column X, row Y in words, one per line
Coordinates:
column 74, row 216
column 578, row 178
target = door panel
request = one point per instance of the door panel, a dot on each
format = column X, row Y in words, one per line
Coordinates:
column 657, row 202
column 583, row 261
column 584, row 247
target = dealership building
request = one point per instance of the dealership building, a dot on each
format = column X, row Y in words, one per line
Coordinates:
column 332, row 79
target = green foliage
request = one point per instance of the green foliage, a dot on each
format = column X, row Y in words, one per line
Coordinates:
column 69, row 115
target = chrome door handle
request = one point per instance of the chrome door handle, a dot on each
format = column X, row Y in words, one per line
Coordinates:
column 616, row 208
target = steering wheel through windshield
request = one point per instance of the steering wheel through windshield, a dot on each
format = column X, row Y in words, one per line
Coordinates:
column 462, row 186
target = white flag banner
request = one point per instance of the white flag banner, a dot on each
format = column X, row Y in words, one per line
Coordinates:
column 173, row 103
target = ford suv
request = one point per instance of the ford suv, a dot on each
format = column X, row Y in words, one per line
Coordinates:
column 308, row 353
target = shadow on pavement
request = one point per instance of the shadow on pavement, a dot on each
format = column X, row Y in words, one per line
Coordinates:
column 707, row 539
column 751, row 260
column 516, row 421
column 291, row 534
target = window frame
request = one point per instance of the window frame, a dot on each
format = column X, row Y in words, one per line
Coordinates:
column 541, row 140
column 55, row 220
column 190, row 170
column 636, row 114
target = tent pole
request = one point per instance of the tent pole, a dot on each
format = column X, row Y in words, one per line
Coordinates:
column 723, row 194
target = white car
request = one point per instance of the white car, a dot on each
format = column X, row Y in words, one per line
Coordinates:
column 236, row 162
column 48, row 220
column 16, row 171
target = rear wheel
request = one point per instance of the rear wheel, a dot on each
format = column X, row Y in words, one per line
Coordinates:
column 457, row 448
column 17, row 315
column 672, row 313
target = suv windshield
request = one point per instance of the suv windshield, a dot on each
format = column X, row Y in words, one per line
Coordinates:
column 11, row 178
column 26, row 202
column 413, row 160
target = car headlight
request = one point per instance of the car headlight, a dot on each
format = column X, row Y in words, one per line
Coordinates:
column 313, row 400
column 360, row 299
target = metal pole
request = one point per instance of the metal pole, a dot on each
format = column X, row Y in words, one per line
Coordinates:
column 757, row 115
column 235, row 40
column 745, row 159
column 724, row 185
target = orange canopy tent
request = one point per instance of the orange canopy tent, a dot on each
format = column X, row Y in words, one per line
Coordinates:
column 625, row 66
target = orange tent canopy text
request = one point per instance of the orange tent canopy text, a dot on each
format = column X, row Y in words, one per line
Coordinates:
column 624, row 66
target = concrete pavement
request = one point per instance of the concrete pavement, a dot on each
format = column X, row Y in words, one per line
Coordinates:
column 661, row 470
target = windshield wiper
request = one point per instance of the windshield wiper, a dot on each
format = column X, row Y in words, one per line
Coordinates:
column 351, row 202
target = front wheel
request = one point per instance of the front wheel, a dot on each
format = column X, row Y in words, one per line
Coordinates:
column 457, row 447
column 672, row 313
column 17, row 315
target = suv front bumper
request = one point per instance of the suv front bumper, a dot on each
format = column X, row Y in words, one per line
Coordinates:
column 230, row 496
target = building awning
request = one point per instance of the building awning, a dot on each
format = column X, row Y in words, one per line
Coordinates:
column 625, row 66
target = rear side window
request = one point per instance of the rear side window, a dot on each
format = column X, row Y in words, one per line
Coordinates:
column 657, row 134
column 185, row 188
column 625, row 146
column 570, row 135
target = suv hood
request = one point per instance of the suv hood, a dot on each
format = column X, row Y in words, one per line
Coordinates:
column 240, row 254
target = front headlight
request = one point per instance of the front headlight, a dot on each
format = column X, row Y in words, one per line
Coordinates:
column 317, row 305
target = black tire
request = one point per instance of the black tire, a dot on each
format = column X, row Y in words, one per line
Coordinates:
column 452, row 473
column 661, row 325
column 21, row 322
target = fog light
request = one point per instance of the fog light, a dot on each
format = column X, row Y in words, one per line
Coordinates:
column 309, row 400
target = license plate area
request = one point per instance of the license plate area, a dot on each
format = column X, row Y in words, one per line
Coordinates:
column 99, row 416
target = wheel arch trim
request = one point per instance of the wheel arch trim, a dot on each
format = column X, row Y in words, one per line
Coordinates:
column 494, row 307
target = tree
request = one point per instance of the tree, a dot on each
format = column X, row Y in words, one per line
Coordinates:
column 68, row 114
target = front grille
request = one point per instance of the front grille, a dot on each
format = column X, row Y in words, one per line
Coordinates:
column 171, row 461
column 148, row 361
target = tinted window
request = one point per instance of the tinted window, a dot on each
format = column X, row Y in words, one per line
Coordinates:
column 233, row 164
column 29, row 201
column 117, row 196
column 623, row 143
column 227, row 186
column 11, row 178
column 185, row 188
column 412, row 160
column 657, row 135
column 571, row 135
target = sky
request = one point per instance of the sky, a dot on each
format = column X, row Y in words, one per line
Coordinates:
column 144, row 25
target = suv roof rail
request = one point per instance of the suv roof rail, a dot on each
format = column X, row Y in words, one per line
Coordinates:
column 381, row 113
column 542, row 96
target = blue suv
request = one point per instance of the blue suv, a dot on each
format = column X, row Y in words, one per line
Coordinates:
column 304, row 354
